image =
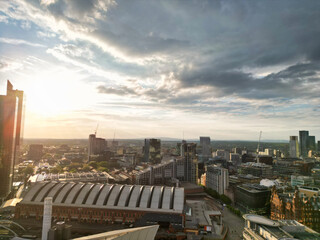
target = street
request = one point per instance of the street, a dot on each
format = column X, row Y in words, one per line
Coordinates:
column 230, row 220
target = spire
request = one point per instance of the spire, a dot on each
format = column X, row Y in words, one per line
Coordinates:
column 9, row 86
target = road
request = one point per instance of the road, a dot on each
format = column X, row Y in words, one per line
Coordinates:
column 234, row 223
column 230, row 220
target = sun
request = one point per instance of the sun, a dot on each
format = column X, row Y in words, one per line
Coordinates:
column 56, row 93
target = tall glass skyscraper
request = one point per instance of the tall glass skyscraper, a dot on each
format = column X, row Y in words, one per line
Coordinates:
column 294, row 147
column 304, row 135
column 10, row 129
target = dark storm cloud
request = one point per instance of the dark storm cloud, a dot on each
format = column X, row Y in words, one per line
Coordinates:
column 204, row 44
column 295, row 81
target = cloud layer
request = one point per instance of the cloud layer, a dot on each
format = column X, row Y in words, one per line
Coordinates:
column 234, row 60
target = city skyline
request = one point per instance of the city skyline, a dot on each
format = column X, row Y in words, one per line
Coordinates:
column 224, row 69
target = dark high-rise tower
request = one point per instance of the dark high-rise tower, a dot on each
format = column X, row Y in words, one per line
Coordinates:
column 311, row 143
column 205, row 146
column 10, row 131
column 304, row 135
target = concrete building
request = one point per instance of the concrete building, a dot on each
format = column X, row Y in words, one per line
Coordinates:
column 217, row 178
column 152, row 150
column 294, row 147
column 260, row 228
column 235, row 158
column 205, row 144
column 292, row 166
column 105, row 203
column 303, row 136
column 223, row 154
column 190, row 162
column 256, row 169
column 96, row 145
column 47, row 217
column 237, row 150
column 297, row 180
column 168, row 172
column 252, row 198
column 35, row 152
column 10, row 130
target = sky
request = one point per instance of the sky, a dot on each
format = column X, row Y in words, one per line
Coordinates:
column 141, row 69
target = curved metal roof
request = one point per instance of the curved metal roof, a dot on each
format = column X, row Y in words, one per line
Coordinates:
column 104, row 194
column 145, row 196
column 93, row 194
column 156, row 197
column 135, row 195
column 44, row 191
column 167, row 196
column 107, row 196
column 63, row 192
column 124, row 197
column 84, row 192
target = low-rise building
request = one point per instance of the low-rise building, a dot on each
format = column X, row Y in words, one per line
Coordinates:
column 105, row 203
column 256, row 169
column 260, row 228
column 297, row 180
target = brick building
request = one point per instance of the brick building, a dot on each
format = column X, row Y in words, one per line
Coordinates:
column 105, row 203
column 296, row 206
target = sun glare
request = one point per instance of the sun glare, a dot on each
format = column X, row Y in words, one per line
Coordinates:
column 57, row 93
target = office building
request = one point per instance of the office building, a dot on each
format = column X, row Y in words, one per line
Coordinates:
column 312, row 143
column 301, row 205
column 318, row 146
column 294, row 147
column 297, row 180
column 96, row 145
column 292, row 166
column 217, row 178
column 35, row 152
column 235, row 158
column 252, row 198
column 304, row 136
column 223, row 154
column 205, row 144
column 152, row 150
column 237, row 150
column 10, row 129
column 190, row 162
column 256, row 169
column 261, row 228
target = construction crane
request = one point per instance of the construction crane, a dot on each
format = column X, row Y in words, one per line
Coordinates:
column 258, row 147
column 95, row 132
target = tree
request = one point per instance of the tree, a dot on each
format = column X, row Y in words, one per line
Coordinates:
column 225, row 199
column 56, row 169
column 28, row 170
column 86, row 168
column 102, row 169
column 93, row 164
